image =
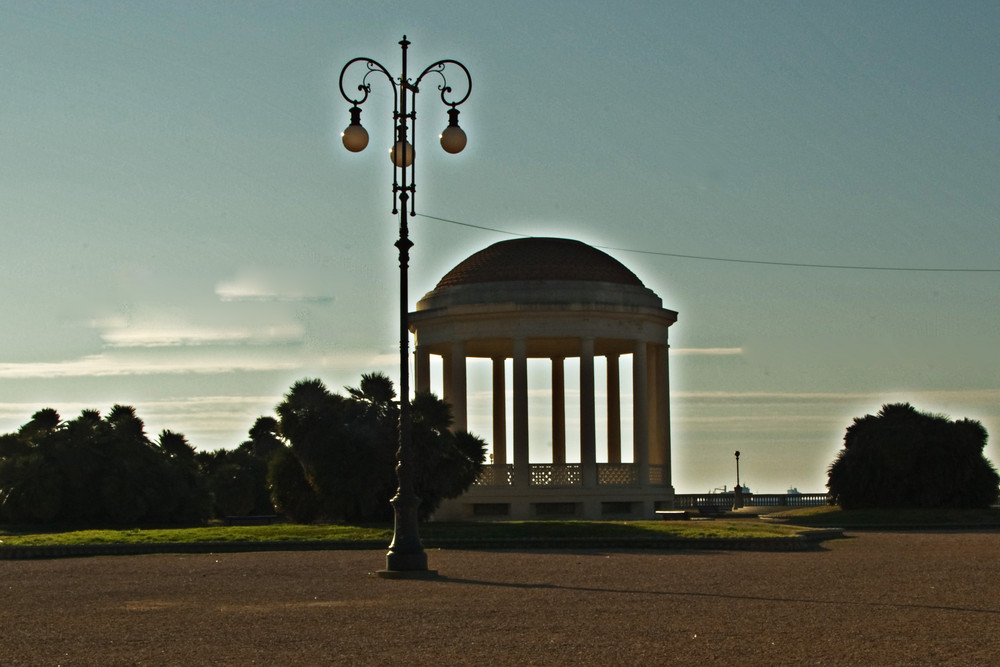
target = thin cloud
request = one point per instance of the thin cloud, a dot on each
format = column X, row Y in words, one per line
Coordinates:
column 988, row 396
column 770, row 395
column 206, row 407
column 706, row 351
column 268, row 297
column 102, row 365
column 209, row 422
column 196, row 361
column 270, row 286
column 196, row 336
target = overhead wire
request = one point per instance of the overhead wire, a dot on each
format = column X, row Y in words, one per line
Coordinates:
column 850, row 267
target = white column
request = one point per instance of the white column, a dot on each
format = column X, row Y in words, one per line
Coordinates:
column 458, row 389
column 663, row 409
column 558, row 410
column 446, row 388
column 652, row 400
column 588, row 427
column 614, row 411
column 499, row 412
column 640, row 411
column 422, row 381
column 522, row 465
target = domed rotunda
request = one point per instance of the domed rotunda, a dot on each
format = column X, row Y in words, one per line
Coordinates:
column 555, row 299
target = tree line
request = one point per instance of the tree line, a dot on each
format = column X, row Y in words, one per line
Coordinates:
column 328, row 456
column 325, row 456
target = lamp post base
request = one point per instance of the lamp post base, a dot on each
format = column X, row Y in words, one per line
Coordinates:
column 407, row 574
column 410, row 565
column 406, row 558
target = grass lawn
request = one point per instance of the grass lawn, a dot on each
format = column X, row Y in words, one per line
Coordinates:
column 501, row 530
column 279, row 532
column 834, row 516
column 795, row 522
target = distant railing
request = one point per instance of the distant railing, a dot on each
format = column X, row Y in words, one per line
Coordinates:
column 691, row 500
column 617, row 474
column 570, row 474
column 496, row 475
column 657, row 474
column 789, row 499
column 555, row 474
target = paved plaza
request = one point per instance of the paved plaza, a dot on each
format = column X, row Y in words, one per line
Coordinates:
column 872, row 598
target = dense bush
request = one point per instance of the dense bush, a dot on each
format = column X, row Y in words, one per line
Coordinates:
column 340, row 461
column 237, row 478
column 94, row 470
column 905, row 458
column 326, row 456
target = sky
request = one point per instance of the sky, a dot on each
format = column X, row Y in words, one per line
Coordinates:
column 813, row 186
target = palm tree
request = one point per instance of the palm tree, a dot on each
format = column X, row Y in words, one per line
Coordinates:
column 345, row 449
column 175, row 445
column 447, row 463
column 264, row 438
column 376, row 393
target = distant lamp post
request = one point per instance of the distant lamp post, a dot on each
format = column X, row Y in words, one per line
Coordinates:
column 738, row 491
column 406, row 554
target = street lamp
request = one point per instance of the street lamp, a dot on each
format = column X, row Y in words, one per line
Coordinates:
column 738, row 491
column 406, row 554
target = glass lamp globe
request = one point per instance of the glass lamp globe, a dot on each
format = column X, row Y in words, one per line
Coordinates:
column 401, row 154
column 355, row 138
column 453, row 139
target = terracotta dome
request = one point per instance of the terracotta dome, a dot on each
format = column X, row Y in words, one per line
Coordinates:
column 540, row 271
column 539, row 259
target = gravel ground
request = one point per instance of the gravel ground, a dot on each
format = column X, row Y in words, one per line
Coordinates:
column 871, row 599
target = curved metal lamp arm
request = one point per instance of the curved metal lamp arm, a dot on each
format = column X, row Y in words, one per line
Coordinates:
column 438, row 68
column 365, row 86
column 414, row 88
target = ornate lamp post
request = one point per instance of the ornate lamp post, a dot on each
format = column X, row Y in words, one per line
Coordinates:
column 406, row 554
column 738, row 491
